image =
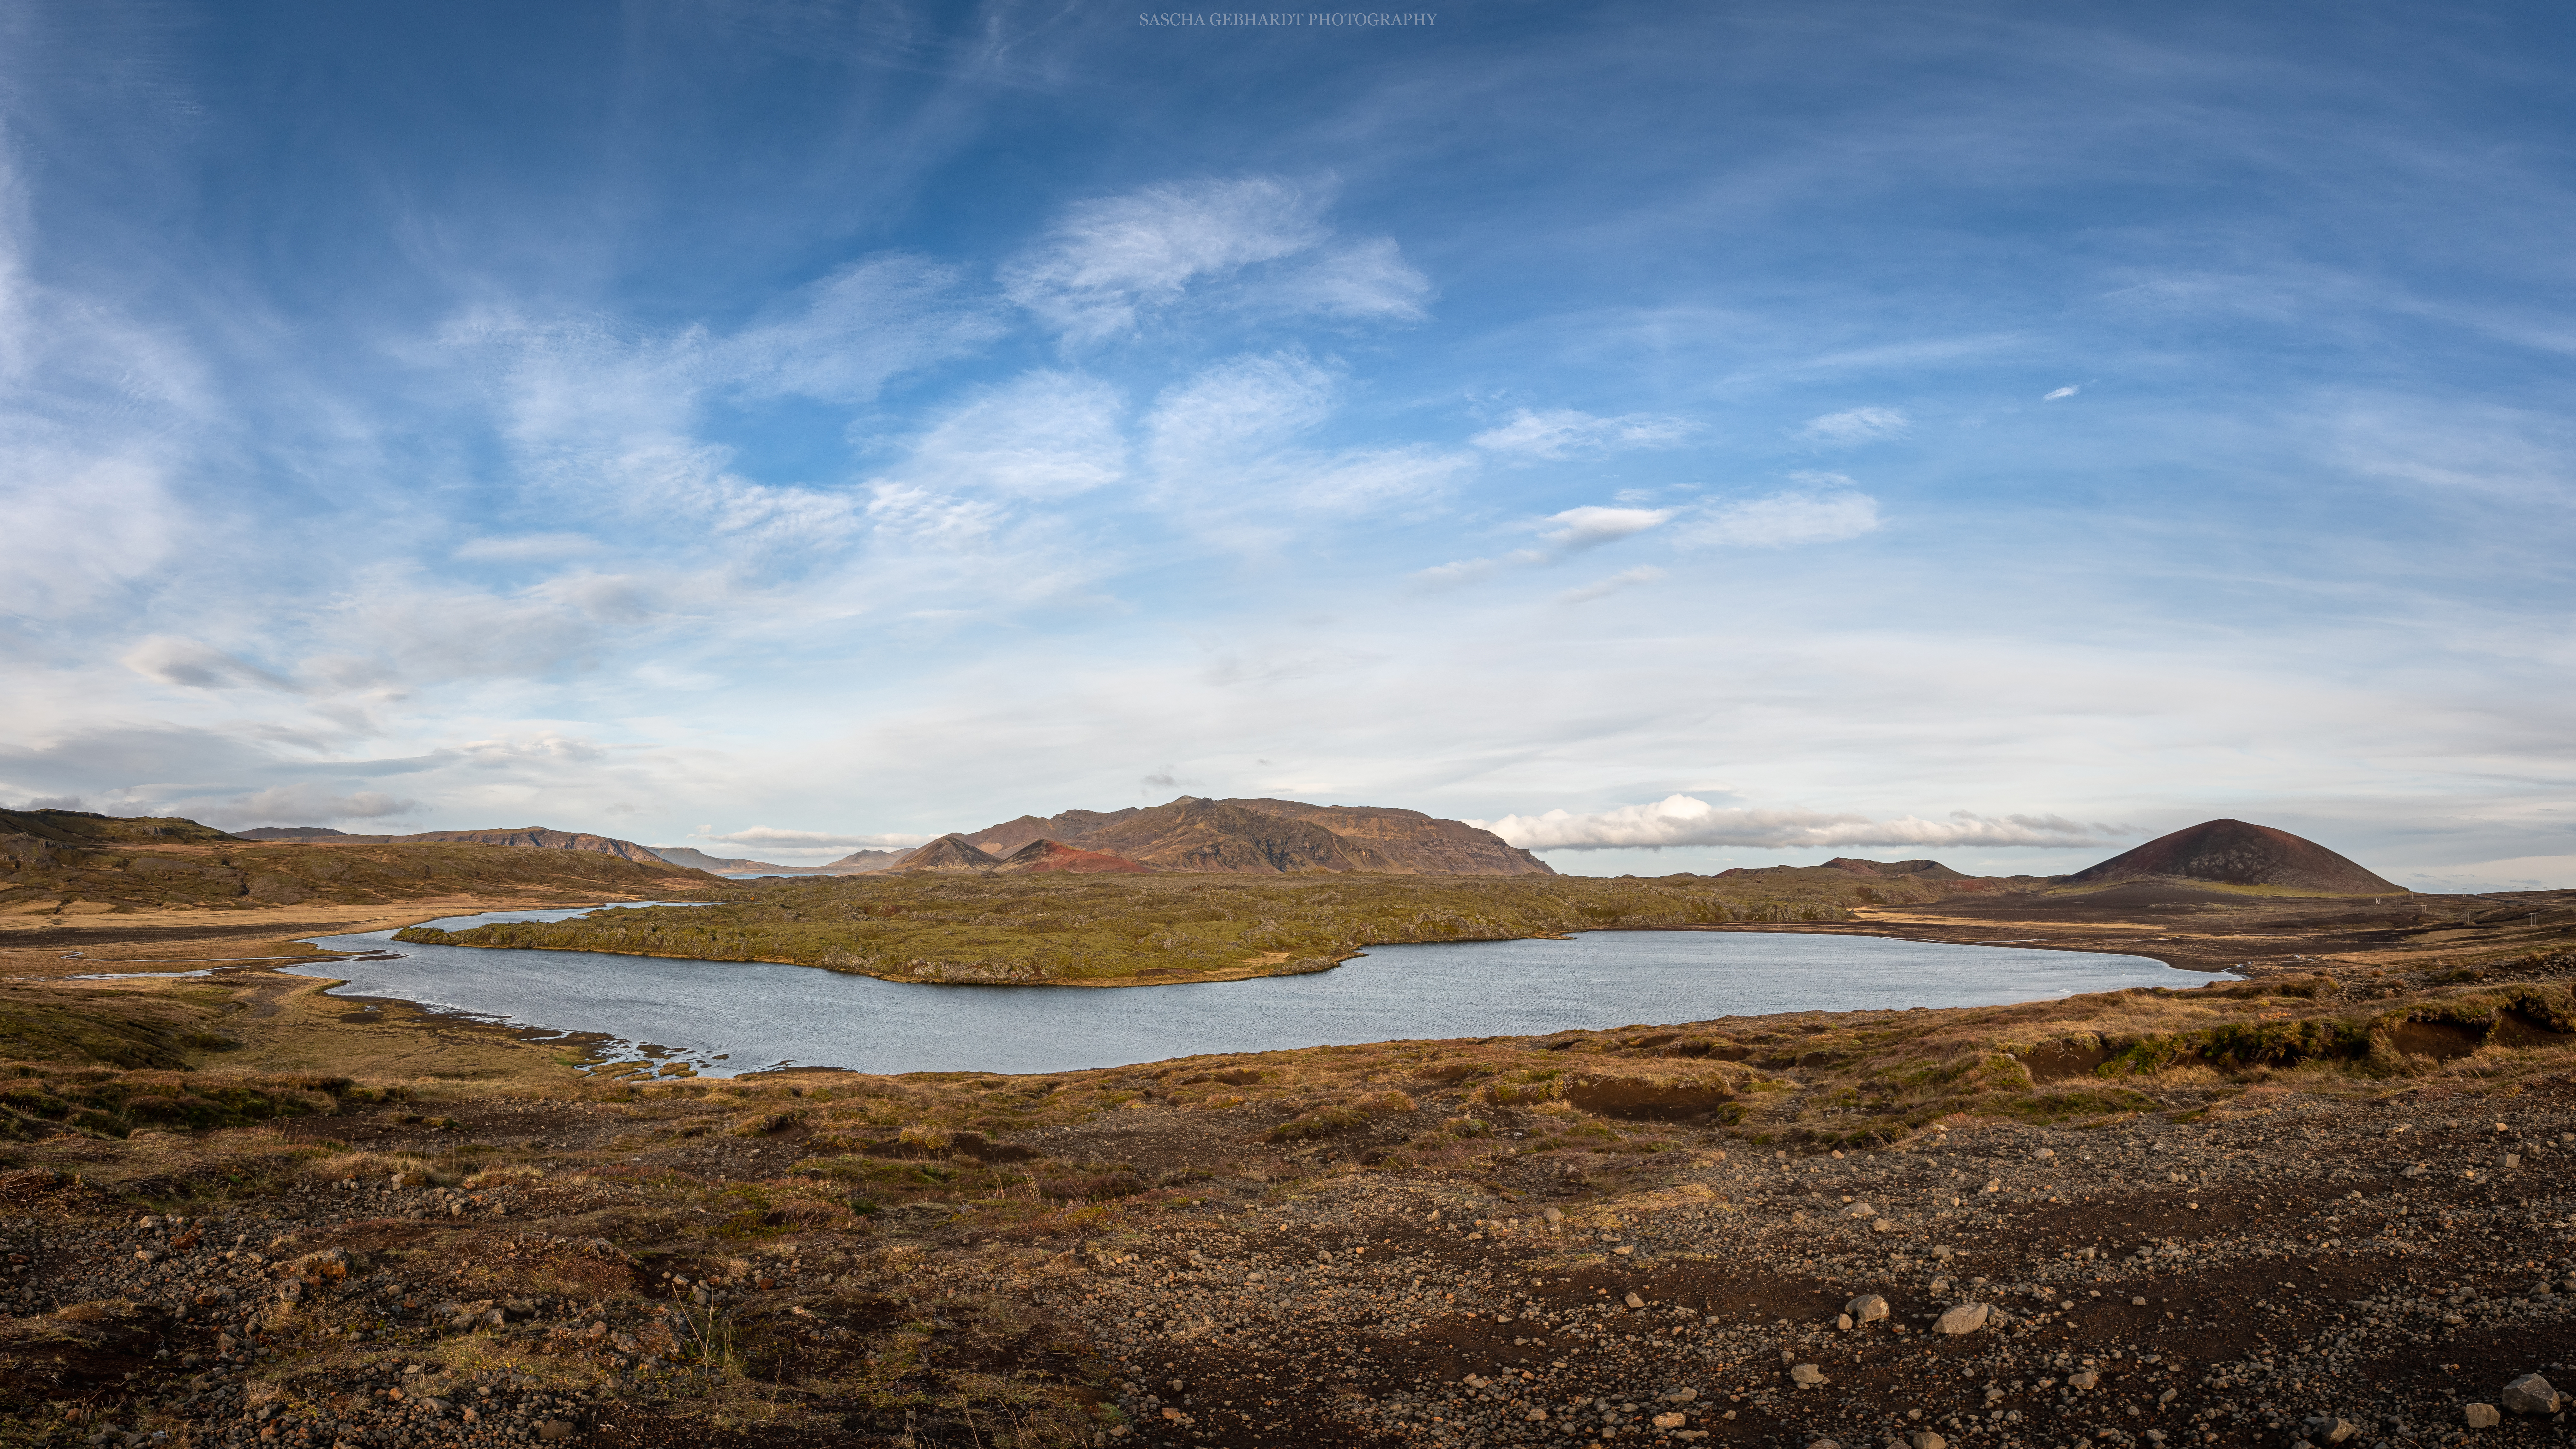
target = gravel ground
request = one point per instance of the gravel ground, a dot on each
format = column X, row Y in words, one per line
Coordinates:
column 2278, row 1268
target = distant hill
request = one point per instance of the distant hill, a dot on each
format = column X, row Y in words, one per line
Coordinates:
column 68, row 862
column 536, row 836
column 1264, row 837
column 862, row 862
column 947, row 853
column 725, row 865
column 1891, row 869
column 87, row 827
column 2231, row 852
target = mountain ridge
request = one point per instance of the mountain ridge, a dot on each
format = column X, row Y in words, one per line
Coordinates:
column 1269, row 836
column 537, row 836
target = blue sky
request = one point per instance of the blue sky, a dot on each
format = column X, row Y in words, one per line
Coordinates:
column 1759, row 432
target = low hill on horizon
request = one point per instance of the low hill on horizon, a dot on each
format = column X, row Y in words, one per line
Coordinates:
column 1264, row 836
column 72, row 863
column 696, row 859
column 2232, row 852
column 537, row 836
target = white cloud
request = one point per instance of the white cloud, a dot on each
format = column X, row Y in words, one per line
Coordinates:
column 526, row 548
column 1828, row 513
column 1237, row 411
column 1859, row 425
column 1363, row 280
column 1455, row 574
column 1041, row 435
column 1567, row 533
column 1602, row 588
column 1225, row 442
column 920, row 515
column 189, row 664
column 808, row 840
column 1111, row 259
column 1688, row 820
column 2069, row 390
column 1581, row 528
column 842, row 338
column 1567, row 432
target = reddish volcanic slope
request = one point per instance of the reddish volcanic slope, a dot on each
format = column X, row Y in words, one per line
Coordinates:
column 1040, row 856
column 2232, row 852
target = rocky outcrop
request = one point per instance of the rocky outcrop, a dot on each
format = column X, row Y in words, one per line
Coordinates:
column 2231, row 852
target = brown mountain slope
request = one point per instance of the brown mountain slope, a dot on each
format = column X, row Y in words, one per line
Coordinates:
column 86, row 827
column 1910, row 869
column 947, row 853
column 1411, row 840
column 41, row 877
column 1044, row 857
column 536, row 836
column 1010, row 835
column 2231, row 852
column 1237, row 836
column 1220, row 836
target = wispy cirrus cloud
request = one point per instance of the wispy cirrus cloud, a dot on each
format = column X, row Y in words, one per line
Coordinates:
column 1855, row 426
column 1830, row 508
column 1628, row 578
column 1111, row 263
column 1230, row 443
column 1557, row 433
column 1685, row 820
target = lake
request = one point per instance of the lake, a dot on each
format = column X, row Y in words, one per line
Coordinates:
column 728, row 1017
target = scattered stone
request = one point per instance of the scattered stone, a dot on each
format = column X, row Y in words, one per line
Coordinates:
column 2481, row 1416
column 1926, row 1439
column 1961, row 1318
column 1636, row 1302
column 2083, row 1379
column 2530, row 1394
column 2330, row 1428
column 1867, row 1308
column 1807, row 1375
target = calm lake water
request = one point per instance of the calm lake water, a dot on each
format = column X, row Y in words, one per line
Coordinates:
column 731, row 1017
